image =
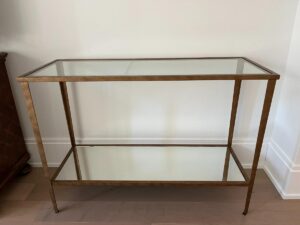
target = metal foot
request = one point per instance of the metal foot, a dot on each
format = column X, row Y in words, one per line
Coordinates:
column 249, row 193
column 53, row 200
column 248, row 198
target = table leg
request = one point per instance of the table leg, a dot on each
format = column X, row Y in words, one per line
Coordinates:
column 65, row 98
column 226, row 165
column 38, row 138
column 53, row 199
column 235, row 101
column 260, row 138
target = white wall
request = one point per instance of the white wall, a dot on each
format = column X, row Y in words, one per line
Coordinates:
column 283, row 158
column 34, row 32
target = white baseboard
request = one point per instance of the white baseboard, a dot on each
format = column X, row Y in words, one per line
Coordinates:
column 284, row 174
column 56, row 148
column 39, row 164
column 275, row 182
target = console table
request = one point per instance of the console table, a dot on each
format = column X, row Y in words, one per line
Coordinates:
column 151, row 164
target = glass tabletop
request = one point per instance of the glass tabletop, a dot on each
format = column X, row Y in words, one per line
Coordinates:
column 150, row 67
column 140, row 163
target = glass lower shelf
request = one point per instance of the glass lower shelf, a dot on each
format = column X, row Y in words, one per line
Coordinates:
column 141, row 163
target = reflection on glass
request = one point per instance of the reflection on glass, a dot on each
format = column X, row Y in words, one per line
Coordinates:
column 149, row 67
column 151, row 164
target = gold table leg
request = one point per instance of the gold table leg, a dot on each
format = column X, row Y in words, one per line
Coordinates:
column 38, row 139
column 235, row 101
column 260, row 138
column 65, row 98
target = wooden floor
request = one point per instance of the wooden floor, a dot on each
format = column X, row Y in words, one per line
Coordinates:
column 26, row 201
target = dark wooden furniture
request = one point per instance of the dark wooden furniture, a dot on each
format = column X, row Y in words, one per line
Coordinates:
column 13, row 153
column 121, row 164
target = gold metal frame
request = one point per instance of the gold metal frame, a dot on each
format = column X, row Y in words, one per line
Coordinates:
column 270, row 76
